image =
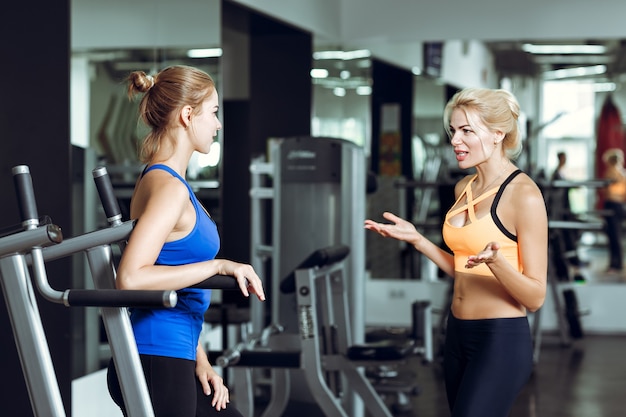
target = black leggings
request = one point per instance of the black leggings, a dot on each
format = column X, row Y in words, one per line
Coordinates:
column 614, row 233
column 174, row 389
column 486, row 364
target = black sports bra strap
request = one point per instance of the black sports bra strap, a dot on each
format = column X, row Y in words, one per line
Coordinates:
column 504, row 184
column 496, row 200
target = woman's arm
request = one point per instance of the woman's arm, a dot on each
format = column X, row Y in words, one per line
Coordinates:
column 403, row 230
column 163, row 214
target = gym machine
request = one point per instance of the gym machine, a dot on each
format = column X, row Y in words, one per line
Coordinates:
column 309, row 193
column 323, row 348
column 37, row 243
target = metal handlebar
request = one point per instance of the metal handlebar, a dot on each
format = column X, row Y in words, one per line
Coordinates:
column 34, row 237
column 218, row 282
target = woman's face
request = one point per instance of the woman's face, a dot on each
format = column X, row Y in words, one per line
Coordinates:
column 471, row 147
column 205, row 123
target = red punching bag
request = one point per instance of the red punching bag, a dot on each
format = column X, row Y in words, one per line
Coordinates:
column 610, row 134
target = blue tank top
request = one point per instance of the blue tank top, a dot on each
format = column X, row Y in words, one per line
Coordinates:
column 174, row 332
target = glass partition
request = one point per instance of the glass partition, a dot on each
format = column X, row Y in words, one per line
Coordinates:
column 114, row 130
column 342, row 87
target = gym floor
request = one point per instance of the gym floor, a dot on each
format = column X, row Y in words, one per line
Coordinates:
column 581, row 380
column 585, row 379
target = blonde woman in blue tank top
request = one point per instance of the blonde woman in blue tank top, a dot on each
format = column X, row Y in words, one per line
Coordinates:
column 173, row 246
column 497, row 230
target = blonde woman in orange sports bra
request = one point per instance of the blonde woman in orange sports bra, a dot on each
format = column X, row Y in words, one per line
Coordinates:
column 498, row 232
column 614, row 199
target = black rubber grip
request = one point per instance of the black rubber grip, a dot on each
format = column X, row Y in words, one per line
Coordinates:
column 121, row 298
column 25, row 193
column 218, row 282
column 319, row 258
column 105, row 190
column 264, row 358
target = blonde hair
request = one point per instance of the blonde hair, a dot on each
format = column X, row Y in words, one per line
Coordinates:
column 613, row 156
column 496, row 109
column 164, row 94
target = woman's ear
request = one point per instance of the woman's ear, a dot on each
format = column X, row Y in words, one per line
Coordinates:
column 185, row 116
column 498, row 136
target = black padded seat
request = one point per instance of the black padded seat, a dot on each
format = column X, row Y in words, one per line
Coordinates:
column 319, row 258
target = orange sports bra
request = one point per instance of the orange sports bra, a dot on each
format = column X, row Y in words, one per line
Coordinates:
column 472, row 237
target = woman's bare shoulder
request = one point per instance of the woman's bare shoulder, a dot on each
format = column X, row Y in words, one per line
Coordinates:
column 159, row 189
column 525, row 193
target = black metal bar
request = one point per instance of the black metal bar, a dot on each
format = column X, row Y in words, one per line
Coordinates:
column 120, row 298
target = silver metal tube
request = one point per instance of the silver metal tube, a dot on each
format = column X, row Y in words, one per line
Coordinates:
column 121, row 338
column 89, row 240
column 23, row 241
column 30, row 338
column 41, row 278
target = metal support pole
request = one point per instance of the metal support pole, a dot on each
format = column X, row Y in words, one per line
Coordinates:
column 121, row 337
column 30, row 339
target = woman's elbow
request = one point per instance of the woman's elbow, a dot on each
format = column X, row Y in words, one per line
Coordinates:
column 124, row 282
column 536, row 303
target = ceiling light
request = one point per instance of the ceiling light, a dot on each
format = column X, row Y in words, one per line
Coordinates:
column 339, row 91
column 343, row 55
column 204, row 53
column 603, row 87
column 574, row 59
column 319, row 73
column 364, row 90
column 574, row 72
column 563, row 49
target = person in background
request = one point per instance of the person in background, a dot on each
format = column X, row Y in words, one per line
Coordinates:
column 173, row 246
column 497, row 230
column 560, row 208
column 614, row 198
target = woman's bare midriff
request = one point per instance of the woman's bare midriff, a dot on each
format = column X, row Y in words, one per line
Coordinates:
column 482, row 297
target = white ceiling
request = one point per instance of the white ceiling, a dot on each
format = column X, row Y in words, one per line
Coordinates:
column 434, row 20
column 399, row 27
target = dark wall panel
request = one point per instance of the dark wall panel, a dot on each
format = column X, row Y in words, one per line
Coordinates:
column 392, row 85
column 279, row 105
column 34, row 130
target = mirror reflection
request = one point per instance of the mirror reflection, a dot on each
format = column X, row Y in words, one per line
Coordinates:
column 564, row 86
column 114, row 130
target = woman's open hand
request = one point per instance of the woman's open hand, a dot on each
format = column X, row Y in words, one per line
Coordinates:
column 489, row 254
column 398, row 229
